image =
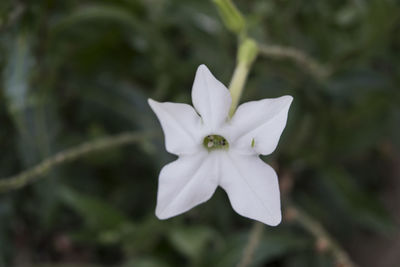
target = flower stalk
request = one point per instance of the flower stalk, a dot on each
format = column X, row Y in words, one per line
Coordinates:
column 247, row 53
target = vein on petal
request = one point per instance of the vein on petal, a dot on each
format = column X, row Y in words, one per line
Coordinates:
column 261, row 125
column 210, row 100
column 172, row 118
column 178, row 192
column 246, row 182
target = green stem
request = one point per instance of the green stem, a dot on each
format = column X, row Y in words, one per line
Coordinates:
column 247, row 53
column 237, row 85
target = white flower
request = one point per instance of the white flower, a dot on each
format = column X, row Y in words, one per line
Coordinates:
column 216, row 150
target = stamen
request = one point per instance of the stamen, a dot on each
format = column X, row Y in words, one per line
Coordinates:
column 214, row 142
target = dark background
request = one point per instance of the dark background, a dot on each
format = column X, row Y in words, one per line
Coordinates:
column 74, row 71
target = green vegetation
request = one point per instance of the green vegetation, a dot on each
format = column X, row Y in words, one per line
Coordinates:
column 77, row 74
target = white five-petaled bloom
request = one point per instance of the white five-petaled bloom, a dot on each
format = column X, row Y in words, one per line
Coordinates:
column 214, row 150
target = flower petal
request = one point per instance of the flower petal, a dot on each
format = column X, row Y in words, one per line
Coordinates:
column 252, row 187
column 257, row 125
column 210, row 98
column 181, row 126
column 185, row 183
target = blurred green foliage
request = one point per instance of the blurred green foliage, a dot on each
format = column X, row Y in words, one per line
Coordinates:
column 76, row 70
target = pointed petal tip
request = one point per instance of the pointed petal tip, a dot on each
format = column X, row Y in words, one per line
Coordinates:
column 160, row 215
column 204, row 70
column 154, row 105
column 202, row 67
column 210, row 98
column 270, row 221
column 151, row 102
column 288, row 98
column 275, row 221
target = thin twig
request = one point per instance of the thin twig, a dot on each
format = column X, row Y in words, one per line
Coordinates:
column 32, row 174
column 281, row 52
column 252, row 244
column 324, row 241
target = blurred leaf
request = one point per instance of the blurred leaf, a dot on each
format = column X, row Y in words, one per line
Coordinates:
column 97, row 214
column 129, row 104
column 17, row 73
column 76, row 70
column 32, row 113
column 191, row 241
column 97, row 13
column 144, row 236
column 6, row 214
column 360, row 206
column 309, row 258
column 273, row 245
column 145, row 262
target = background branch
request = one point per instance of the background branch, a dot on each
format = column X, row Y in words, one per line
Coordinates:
column 32, row 174
column 324, row 241
column 252, row 244
column 280, row 52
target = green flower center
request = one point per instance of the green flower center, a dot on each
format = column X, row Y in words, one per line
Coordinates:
column 213, row 142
